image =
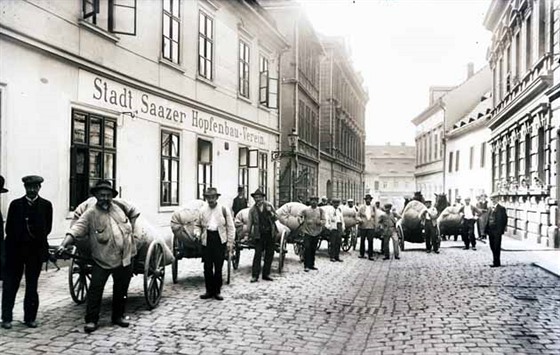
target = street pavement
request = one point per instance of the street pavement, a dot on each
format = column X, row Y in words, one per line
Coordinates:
column 448, row 303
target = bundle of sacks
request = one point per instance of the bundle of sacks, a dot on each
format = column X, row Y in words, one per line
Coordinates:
column 289, row 214
column 350, row 216
column 449, row 221
column 184, row 223
column 143, row 232
column 411, row 218
column 242, row 229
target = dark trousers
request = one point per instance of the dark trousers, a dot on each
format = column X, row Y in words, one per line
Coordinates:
column 213, row 254
column 20, row 259
column 495, row 246
column 309, row 248
column 264, row 243
column 99, row 276
column 366, row 234
column 468, row 233
column 335, row 240
column 432, row 237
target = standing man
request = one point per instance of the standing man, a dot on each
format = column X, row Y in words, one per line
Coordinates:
column 217, row 236
column 106, row 228
column 324, row 201
column 239, row 202
column 2, row 253
column 389, row 221
column 469, row 214
column 28, row 224
column 367, row 216
column 497, row 223
column 262, row 230
column 336, row 228
column 312, row 220
column 482, row 205
column 429, row 218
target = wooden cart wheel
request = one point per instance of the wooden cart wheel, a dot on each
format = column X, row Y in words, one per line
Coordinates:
column 236, row 256
column 79, row 278
column 346, row 241
column 400, row 234
column 175, row 264
column 282, row 252
column 154, row 274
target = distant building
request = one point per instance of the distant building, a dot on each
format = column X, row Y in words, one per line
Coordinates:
column 525, row 119
column 342, row 116
column 389, row 173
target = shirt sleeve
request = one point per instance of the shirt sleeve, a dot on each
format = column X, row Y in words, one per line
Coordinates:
column 129, row 209
column 80, row 229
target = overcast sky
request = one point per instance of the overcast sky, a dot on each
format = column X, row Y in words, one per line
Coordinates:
column 402, row 47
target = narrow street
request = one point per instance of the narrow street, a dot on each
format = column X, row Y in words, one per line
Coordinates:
column 450, row 303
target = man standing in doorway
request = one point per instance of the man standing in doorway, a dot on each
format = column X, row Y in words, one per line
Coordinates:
column 217, row 236
column 497, row 222
column 239, row 202
column 28, row 224
column 262, row 230
column 367, row 216
column 469, row 214
column 312, row 220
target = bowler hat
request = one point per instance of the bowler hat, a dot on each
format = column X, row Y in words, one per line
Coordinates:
column 314, row 198
column 258, row 192
column 2, row 189
column 32, row 179
column 368, row 196
column 335, row 199
column 103, row 185
column 211, row 191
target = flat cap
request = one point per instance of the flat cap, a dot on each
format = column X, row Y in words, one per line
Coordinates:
column 314, row 198
column 335, row 199
column 32, row 179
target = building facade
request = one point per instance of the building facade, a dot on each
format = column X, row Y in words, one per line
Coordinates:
column 163, row 98
column 524, row 121
column 389, row 173
column 299, row 104
column 342, row 124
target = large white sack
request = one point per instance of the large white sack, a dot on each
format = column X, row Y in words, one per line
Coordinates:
column 184, row 220
column 350, row 216
column 288, row 214
column 241, row 228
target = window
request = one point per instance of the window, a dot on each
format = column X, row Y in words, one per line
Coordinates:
column 169, row 182
column 376, row 185
column 471, row 158
column 457, row 161
column 541, row 154
column 205, row 46
column 115, row 16
column 263, row 172
column 450, row 166
column 171, row 30
column 243, row 69
column 528, row 45
column 435, row 146
column 482, row 154
column 384, row 185
column 244, row 170
column 268, row 86
column 204, row 173
column 528, row 160
column 93, row 154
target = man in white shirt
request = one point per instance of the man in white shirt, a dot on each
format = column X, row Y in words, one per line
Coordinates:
column 336, row 228
column 217, row 233
column 469, row 213
column 367, row 225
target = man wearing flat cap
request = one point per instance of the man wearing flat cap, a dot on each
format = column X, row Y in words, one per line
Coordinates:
column 28, row 224
column 217, row 234
column 335, row 226
column 2, row 253
column 312, row 220
column 106, row 228
column 262, row 230
column 497, row 224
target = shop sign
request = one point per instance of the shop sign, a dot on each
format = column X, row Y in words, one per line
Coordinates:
column 99, row 91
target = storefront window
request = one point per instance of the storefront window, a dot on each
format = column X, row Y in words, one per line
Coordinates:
column 169, row 181
column 244, row 170
column 93, row 154
column 263, row 172
column 204, row 173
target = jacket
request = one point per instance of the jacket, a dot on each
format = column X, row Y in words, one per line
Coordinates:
column 226, row 228
column 29, row 224
column 253, row 225
column 365, row 223
column 389, row 223
column 475, row 211
column 497, row 220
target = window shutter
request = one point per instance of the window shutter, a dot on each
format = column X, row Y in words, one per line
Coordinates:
column 273, row 93
column 122, row 17
column 263, row 88
column 90, row 8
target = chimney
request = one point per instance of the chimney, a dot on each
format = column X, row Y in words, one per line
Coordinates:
column 470, row 70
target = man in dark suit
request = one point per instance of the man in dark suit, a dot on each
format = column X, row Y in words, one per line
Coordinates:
column 2, row 254
column 262, row 230
column 239, row 202
column 497, row 223
column 28, row 224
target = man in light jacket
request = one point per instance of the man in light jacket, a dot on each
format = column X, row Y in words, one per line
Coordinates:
column 335, row 225
column 217, row 234
column 367, row 226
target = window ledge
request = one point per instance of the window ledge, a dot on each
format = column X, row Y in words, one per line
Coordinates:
column 172, row 65
column 244, row 98
column 205, row 81
column 99, row 31
column 265, row 108
column 167, row 209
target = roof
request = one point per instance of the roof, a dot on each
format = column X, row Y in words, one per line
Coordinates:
column 476, row 116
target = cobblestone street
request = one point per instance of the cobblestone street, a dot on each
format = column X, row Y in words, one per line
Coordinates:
column 449, row 303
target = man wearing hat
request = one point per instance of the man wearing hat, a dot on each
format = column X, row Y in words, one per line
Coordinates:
column 2, row 256
column 367, row 216
column 482, row 205
column 312, row 220
column 429, row 219
column 106, row 228
column 217, row 233
column 469, row 215
column 497, row 223
column 389, row 222
column 262, row 230
column 28, row 224
column 239, row 202
column 335, row 225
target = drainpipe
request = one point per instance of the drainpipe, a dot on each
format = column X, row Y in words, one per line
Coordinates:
column 444, row 143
